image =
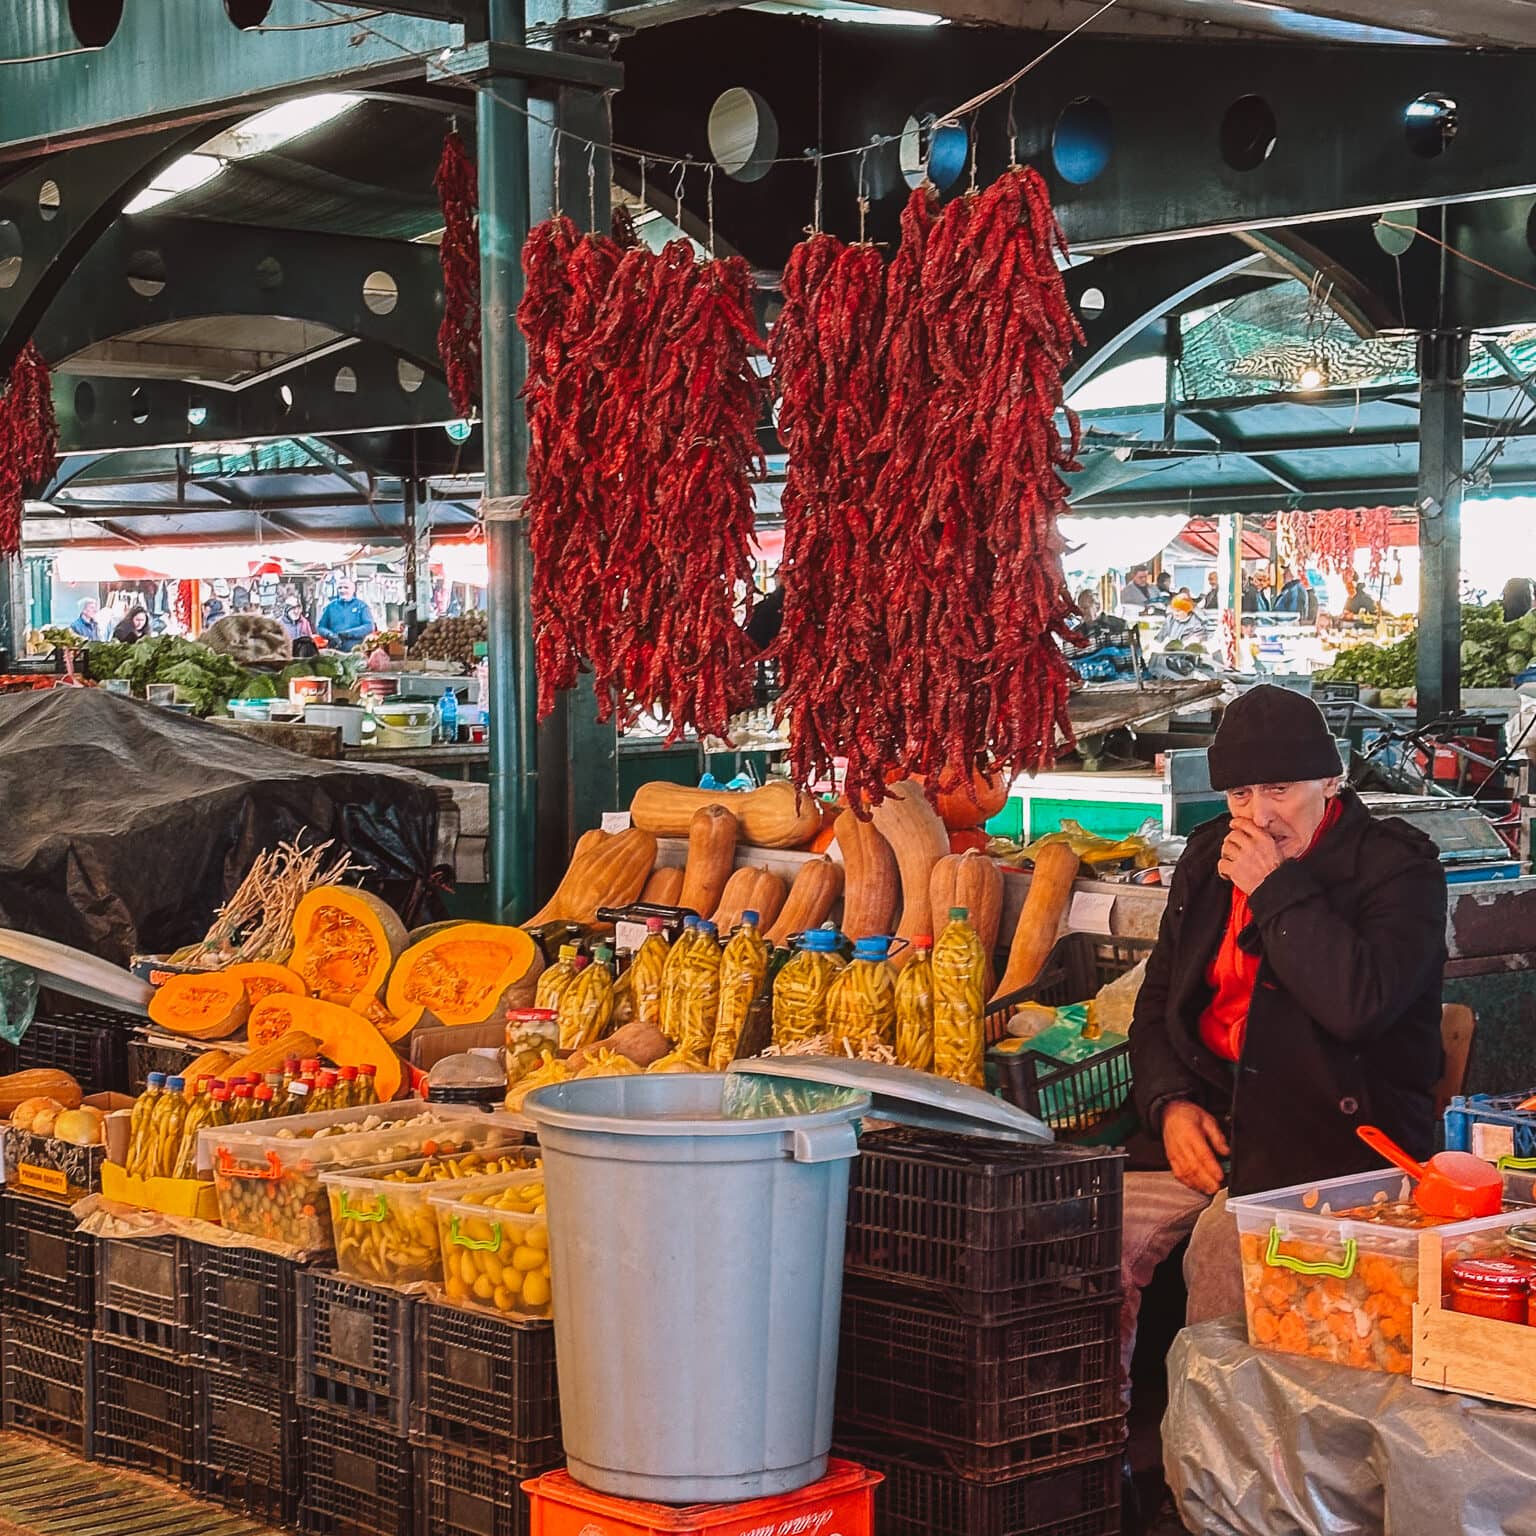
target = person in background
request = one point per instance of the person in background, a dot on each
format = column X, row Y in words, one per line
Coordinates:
column 1295, row 596
column 294, row 620
column 1211, row 599
column 134, row 627
column 347, row 619
column 213, row 608
column 240, row 600
column 1137, row 592
column 767, row 617
column 1359, row 604
column 1164, row 586
column 1256, row 593
column 1184, row 622
column 1088, row 605
column 84, row 623
column 1518, row 599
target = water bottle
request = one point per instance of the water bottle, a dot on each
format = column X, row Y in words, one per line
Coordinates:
column 448, row 716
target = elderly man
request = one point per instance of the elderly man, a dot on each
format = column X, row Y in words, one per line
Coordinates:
column 347, row 619
column 1138, row 590
column 84, row 623
column 1294, row 994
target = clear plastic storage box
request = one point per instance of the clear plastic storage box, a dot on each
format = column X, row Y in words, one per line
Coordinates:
column 495, row 1244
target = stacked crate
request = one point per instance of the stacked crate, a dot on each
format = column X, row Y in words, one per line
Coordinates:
column 48, row 1274
column 486, row 1416
column 143, row 1376
column 356, row 1365
column 245, row 1342
column 978, row 1365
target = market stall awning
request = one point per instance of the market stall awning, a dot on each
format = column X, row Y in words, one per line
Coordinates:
column 1203, row 536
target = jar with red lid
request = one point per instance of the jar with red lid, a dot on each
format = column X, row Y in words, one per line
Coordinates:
column 1496, row 1288
column 530, row 1033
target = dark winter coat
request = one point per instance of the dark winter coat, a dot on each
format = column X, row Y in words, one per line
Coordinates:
column 1344, row 1027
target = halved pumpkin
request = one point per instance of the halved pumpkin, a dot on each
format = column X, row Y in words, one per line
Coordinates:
column 344, row 943
column 393, row 1027
column 345, row 1036
column 203, row 1005
column 461, row 975
column 261, row 979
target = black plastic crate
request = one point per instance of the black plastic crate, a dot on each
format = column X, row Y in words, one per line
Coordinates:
column 357, row 1476
column 356, row 1347
column 145, row 1410
column 245, row 1310
column 469, row 1493
column 50, row 1266
column 249, row 1453
column 89, row 1044
column 1077, row 966
column 487, row 1383
column 47, row 1372
column 144, row 1291
column 995, row 1228
column 1084, row 1102
column 144, row 1058
column 921, row 1496
column 1034, row 1392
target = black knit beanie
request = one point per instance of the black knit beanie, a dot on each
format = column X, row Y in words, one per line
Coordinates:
column 1272, row 736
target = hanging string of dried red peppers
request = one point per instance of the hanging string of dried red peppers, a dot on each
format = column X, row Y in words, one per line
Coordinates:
column 29, row 437
column 1327, row 540
column 458, row 337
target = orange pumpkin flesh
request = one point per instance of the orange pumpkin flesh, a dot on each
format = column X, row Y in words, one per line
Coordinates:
column 203, row 1005
column 261, row 979
column 344, row 943
column 461, row 975
column 345, row 1036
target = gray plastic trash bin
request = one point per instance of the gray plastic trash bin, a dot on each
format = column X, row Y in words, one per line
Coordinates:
column 697, row 1265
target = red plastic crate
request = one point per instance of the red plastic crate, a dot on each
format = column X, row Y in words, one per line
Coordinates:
column 843, row 1501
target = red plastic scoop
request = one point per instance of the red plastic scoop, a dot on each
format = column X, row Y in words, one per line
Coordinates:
column 1454, row 1185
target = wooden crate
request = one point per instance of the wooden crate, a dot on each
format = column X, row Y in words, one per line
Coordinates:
column 1457, row 1352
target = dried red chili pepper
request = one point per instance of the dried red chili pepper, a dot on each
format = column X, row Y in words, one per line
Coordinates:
column 29, row 437
column 458, row 337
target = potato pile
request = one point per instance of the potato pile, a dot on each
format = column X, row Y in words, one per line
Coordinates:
column 452, row 639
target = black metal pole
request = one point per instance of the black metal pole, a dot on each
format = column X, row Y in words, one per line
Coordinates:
column 1442, row 401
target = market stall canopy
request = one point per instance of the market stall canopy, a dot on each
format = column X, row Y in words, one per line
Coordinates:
column 127, row 826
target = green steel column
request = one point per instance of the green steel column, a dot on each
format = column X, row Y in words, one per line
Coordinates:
column 502, row 127
column 1442, row 402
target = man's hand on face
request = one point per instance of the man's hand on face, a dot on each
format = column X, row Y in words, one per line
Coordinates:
column 1248, row 857
column 1193, row 1142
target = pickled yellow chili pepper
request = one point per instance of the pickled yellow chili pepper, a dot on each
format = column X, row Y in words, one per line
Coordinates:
column 800, row 989
column 914, row 1008
column 742, row 969
column 861, row 1001
column 959, row 1002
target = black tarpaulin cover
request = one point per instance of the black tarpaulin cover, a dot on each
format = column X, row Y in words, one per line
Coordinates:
column 123, row 826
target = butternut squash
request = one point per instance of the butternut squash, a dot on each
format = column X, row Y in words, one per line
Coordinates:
column 270, row 1058
column 462, row 975
column 1050, row 891
column 38, row 1083
column 750, row 890
column 960, row 804
column 711, row 853
column 917, row 837
column 665, row 886
column 214, row 1063
column 345, row 1036
column 972, row 881
column 871, row 881
column 775, row 816
column 345, row 942
column 811, row 900
column 261, row 978
column 608, row 871
column 202, row 1005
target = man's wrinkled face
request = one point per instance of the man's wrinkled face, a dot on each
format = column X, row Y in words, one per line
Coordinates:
column 1289, row 813
column 346, row 589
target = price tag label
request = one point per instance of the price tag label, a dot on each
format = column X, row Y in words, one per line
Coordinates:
column 616, row 821
column 1091, row 913
column 629, row 936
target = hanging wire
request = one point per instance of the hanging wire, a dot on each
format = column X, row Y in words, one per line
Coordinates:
column 975, row 133
column 677, row 191
column 642, row 184
column 863, row 197
column 554, row 191
column 709, row 199
column 1013, row 131
column 592, row 185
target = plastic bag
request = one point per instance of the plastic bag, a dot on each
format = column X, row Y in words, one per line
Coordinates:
column 18, row 1000
column 1138, row 849
column 1115, row 1002
column 754, row 1096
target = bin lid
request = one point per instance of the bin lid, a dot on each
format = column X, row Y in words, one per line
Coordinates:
column 63, row 968
column 906, row 1097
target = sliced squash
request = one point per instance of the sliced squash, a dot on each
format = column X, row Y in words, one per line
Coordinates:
column 345, row 941
column 345, row 1036
column 391, row 1027
column 261, row 979
column 462, row 975
column 202, row 1005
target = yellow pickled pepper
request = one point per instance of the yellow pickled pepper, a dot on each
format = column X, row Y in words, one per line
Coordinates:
column 170, row 1116
column 698, row 993
column 668, row 1019
column 556, row 979
column 914, row 1008
column 646, row 972
column 742, row 969
column 959, row 1002
column 586, row 1006
column 139, row 1121
column 800, row 989
column 861, row 1000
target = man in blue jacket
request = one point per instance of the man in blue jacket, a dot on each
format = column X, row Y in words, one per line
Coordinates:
column 347, row 618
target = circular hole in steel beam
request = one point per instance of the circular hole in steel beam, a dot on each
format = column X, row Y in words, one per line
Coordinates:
column 247, row 13
column 346, row 381
column 284, row 399
column 85, row 400
column 1092, row 304
column 1081, row 144
column 49, row 200
column 95, row 22
column 138, row 406
column 1430, row 123
column 1394, row 232
column 197, row 415
column 410, row 376
column 10, row 254
column 743, row 134
column 269, row 273
column 1248, row 133
column 928, row 156
column 146, row 274
column 380, row 293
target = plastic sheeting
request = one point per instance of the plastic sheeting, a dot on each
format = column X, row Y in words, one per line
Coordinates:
column 123, row 827
column 1258, row 1444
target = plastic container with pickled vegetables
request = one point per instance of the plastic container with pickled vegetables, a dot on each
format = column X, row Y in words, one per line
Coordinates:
column 386, row 1233
column 1331, row 1269
column 800, row 989
column 495, row 1244
column 266, row 1174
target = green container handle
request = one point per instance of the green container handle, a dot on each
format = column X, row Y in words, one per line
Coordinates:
column 1519, row 1164
column 349, row 1212
column 1342, row 1271
column 474, row 1244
